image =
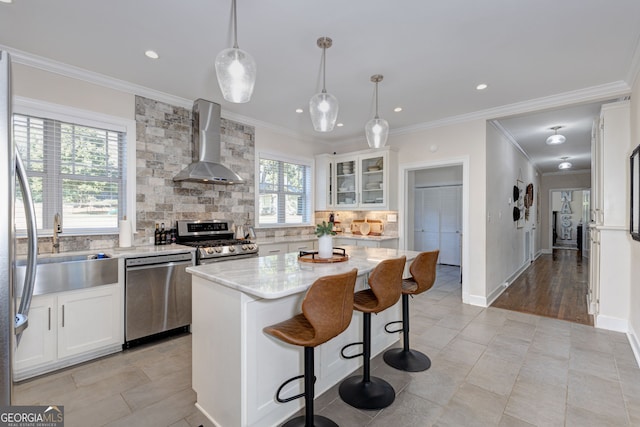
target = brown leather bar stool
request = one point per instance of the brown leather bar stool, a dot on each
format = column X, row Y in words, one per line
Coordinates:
column 365, row 391
column 423, row 276
column 327, row 309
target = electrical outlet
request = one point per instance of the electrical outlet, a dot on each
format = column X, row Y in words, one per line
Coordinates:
column 392, row 218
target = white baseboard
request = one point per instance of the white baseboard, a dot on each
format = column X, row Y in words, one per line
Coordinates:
column 612, row 323
column 635, row 345
column 546, row 251
column 477, row 300
column 497, row 292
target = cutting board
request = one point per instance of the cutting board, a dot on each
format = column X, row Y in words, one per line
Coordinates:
column 376, row 227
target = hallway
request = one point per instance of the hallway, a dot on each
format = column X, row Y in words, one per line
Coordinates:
column 555, row 285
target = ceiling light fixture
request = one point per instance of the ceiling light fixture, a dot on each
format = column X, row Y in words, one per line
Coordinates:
column 377, row 129
column 482, row 86
column 323, row 107
column 397, row 109
column 236, row 69
column 564, row 164
column 299, row 110
column 150, row 53
column 556, row 139
column 340, row 125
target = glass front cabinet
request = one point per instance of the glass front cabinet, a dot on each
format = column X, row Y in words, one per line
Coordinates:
column 364, row 180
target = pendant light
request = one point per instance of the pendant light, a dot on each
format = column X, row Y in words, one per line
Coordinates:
column 323, row 107
column 377, row 129
column 236, row 69
column 556, row 139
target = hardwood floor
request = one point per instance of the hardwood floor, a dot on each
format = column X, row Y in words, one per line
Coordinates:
column 554, row 286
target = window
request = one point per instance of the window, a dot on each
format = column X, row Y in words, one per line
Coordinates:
column 74, row 169
column 284, row 195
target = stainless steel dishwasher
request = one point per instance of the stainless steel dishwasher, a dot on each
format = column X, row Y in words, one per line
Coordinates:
column 157, row 296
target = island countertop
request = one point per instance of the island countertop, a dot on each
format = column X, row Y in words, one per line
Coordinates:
column 278, row 276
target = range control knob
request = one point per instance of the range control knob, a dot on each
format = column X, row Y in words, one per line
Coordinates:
column 244, row 247
column 252, row 247
column 232, row 248
column 209, row 250
column 218, row 249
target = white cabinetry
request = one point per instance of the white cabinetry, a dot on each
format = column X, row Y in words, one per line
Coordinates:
column 282, row 248
column 609, row 274
column 364, row 180
column 68, row 328
column 354, row 241
column 272, row 248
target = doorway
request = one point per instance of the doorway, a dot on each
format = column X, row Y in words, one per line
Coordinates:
column 435, row 198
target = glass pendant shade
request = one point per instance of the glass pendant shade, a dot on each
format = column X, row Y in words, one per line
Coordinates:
column 556, row 139
column 236, row 71
column 377, row 131
column 323, row 108
column 564, row 165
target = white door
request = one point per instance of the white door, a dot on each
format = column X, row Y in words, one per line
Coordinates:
column 450, row 225
column 438, row 222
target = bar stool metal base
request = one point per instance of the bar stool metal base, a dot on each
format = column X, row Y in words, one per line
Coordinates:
column 407, row 360
column 318, row 421
column 373, row 394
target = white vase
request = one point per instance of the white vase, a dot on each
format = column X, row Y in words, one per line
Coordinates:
column 325, row 246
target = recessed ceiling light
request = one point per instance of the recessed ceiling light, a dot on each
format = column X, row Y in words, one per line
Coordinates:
column 299, row 110
column 482, row 86
column 397, row 109
column 340, row 125
column 6, row 1
column 152, row 54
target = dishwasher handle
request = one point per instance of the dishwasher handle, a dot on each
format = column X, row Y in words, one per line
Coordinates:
column 158, row 265
column 159, row 260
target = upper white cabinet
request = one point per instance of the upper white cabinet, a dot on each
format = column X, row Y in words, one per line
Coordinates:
column 363, row 180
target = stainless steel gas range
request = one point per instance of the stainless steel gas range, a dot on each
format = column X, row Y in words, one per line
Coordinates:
column 214, row 240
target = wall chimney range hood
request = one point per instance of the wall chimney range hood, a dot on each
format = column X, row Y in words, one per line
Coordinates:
column 206, row 165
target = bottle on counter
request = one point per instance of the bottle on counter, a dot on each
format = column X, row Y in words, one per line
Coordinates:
column 169, row 236
column 163, row 234
column 156, row 235
column 332, row 218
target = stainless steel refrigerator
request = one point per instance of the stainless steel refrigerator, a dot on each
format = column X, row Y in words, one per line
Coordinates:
column 13, row 318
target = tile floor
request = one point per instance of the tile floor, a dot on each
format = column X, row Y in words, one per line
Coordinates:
column 491, row 367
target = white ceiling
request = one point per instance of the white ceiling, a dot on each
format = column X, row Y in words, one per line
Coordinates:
column 432, row 55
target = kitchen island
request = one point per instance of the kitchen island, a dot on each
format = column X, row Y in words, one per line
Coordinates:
column 236, row 367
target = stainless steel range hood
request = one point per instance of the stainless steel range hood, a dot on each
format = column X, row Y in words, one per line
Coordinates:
column 206, row 165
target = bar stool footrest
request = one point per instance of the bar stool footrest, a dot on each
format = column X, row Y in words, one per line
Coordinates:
column 318, row 421
column 284, row 384
column 386, row 327
column 373, row 394
column 407, row 360
column 353, row 356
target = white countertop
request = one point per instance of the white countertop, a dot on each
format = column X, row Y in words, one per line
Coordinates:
column 277, row 276
column 292, row 239
column 131, row 252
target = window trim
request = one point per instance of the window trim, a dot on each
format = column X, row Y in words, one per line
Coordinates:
column 33, row 107
column 305, row 161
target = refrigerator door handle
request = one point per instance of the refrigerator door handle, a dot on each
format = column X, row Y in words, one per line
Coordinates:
column 32, row 246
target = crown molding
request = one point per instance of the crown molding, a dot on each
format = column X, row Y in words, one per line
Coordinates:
column 496, row 124
column 594, row 93
column 634, row 69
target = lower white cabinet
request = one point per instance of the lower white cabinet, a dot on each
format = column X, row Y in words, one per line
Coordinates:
column 388, row 243
column 69, row 327
column 272, row 249
column 306, row 245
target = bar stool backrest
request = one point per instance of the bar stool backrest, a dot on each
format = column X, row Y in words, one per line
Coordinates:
column 328, row 305
column 386, row 282
column 423, row 270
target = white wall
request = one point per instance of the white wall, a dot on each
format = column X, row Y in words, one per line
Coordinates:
column 506, row 244
column 634, row 310
column 451, row 175
column 437, row 147
column 57, row 89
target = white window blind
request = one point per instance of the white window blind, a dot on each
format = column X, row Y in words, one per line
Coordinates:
column 75, row 170
column 284, row 192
